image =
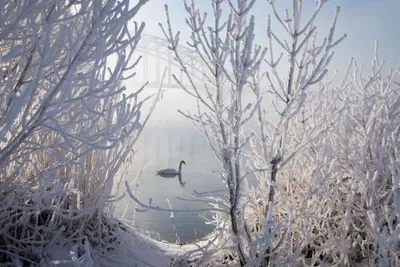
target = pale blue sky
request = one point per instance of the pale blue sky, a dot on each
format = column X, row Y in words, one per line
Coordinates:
column 362, row 20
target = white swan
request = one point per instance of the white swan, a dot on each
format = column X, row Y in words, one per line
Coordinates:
column 171, row 172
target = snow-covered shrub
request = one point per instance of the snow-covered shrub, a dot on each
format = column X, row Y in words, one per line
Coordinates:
column 335, row 188
column 304, row 107
column 336, row 202
column 66, row 122
column 363, row 197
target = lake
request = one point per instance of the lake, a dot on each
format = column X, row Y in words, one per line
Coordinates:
column 168, row 139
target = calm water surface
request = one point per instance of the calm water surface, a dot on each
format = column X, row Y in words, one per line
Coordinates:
column 168, row 139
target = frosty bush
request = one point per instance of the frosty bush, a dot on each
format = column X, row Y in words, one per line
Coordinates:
column 66, row 123
column 337, row 201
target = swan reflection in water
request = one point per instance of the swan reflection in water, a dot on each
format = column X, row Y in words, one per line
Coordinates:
column 172, row 173
column 173, row 176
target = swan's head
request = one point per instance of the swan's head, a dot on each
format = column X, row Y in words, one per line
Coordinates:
column 182, row 161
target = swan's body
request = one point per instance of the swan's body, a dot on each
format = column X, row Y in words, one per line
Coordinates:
column 171, row 172
column 168, row 172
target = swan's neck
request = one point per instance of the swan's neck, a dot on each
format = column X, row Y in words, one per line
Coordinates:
column 180, row 166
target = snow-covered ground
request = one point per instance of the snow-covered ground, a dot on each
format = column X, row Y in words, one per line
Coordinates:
column 133, row 249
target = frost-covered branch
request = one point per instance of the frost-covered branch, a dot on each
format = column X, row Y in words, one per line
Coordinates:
column 151, row 207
